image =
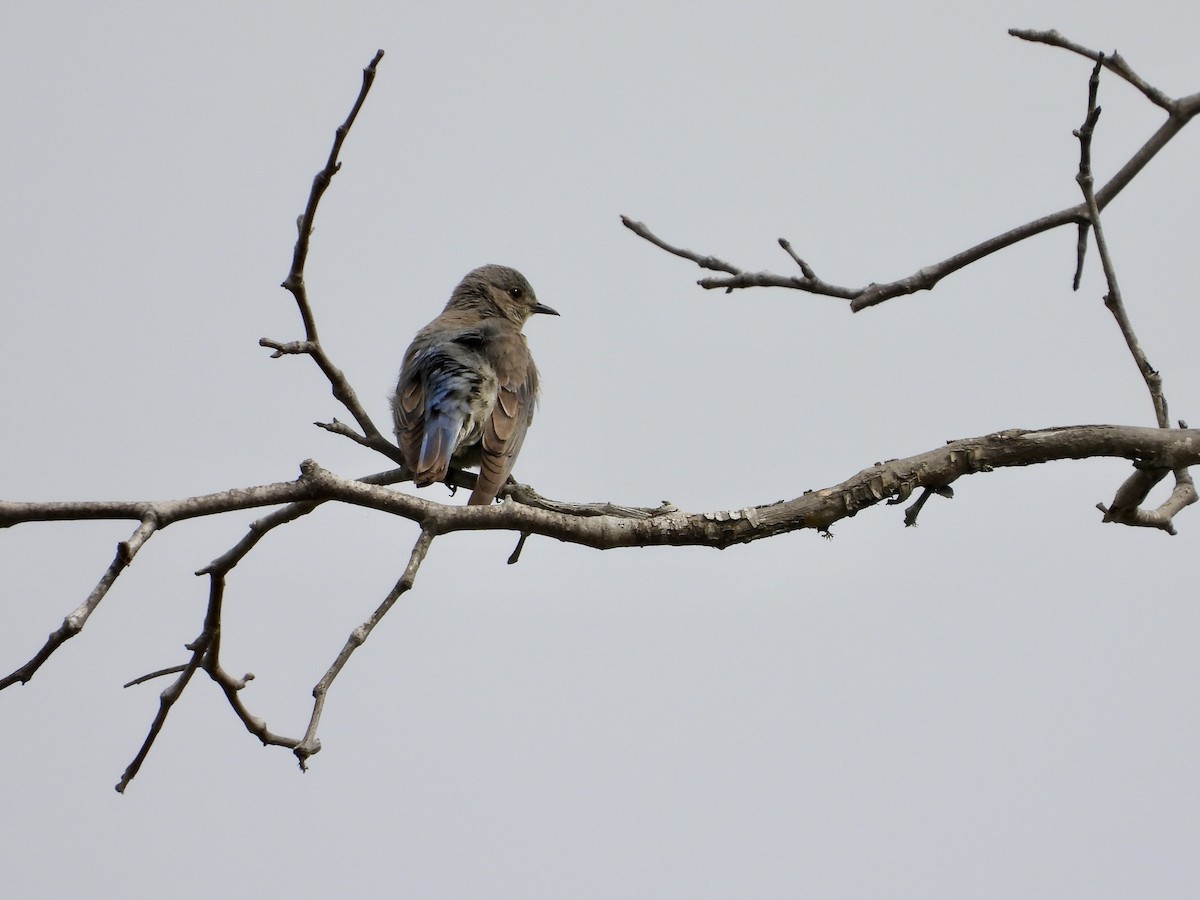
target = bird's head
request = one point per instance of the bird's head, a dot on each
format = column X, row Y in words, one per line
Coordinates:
column 501, row 291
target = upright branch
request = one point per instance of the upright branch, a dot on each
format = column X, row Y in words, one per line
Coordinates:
column 1112, row 299
column 295, row 279
column 311, row 345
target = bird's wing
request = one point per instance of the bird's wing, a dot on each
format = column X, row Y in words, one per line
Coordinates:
column 504, row 432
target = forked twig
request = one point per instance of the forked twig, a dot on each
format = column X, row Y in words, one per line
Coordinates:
column 1180, row 112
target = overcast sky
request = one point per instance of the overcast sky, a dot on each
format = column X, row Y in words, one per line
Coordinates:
column 1001, row 702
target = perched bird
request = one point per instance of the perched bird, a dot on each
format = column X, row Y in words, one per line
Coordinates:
column 468, row 384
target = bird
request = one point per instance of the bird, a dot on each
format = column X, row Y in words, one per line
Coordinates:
column 468, row 385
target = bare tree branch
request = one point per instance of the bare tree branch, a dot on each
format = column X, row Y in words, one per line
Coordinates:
column 1180, row 113
column 295, row 279
column 605, row 526
column 1126, row 507
column 1155, row 452
column 74, row 622
column 164, row 512
column 229, row 685
column 150, row 676
column 1113, row 61
column 818, row 509
column 207, row 647
column 165, row 701
column 739, row 278
column 294, row 282
column 310, row 744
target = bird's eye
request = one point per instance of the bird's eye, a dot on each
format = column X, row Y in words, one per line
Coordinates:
column 515, row 293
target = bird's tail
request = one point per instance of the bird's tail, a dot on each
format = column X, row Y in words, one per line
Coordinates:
column 437, row 446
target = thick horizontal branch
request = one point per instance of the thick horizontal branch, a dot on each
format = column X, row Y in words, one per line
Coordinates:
column 817, row 509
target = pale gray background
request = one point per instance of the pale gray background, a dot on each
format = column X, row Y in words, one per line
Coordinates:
column 1002, row 702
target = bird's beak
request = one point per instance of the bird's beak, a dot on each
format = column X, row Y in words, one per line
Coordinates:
column 543, row 308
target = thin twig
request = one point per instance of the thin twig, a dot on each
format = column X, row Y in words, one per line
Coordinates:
column 804, row 267
column 295, row 279
column 74, row 622
column 310, row 744
column 343, row 391
column 1112, row 61
column 150, row 676
column 740, row 278
column 232, row 687
column 375, row 442
column 704, row 262
column 165, row 701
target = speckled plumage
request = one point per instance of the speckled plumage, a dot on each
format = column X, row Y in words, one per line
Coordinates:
column 468, row 384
